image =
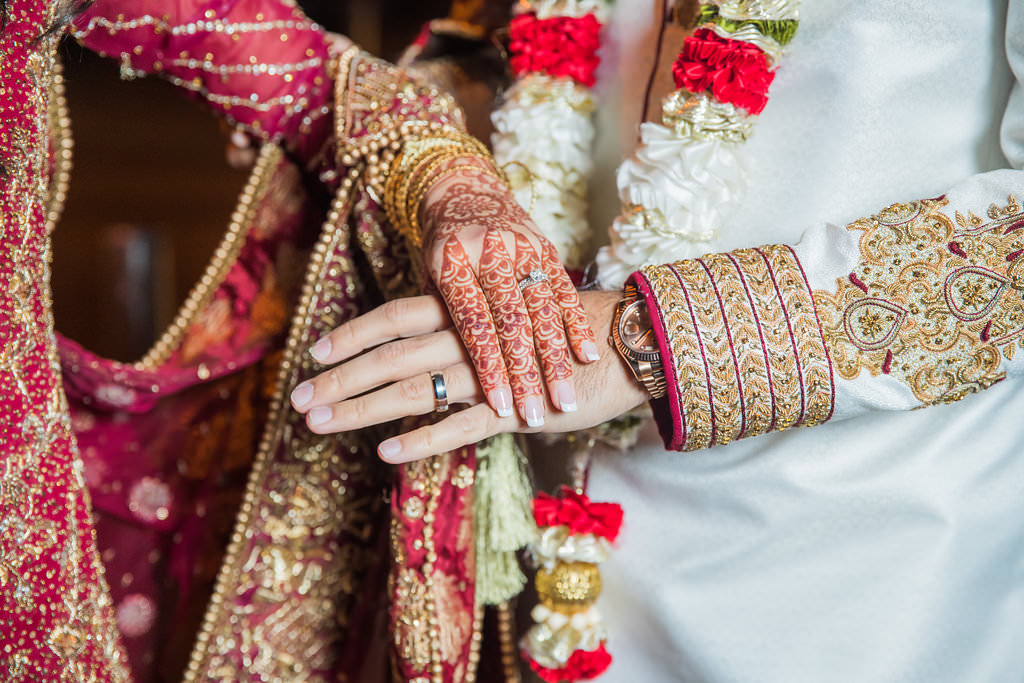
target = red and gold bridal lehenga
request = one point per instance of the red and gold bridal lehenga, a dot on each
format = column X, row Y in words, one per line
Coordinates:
column 234, row 539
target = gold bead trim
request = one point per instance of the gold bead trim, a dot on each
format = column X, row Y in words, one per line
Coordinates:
column 334, row 232
column 63, row 147
column 223, row 259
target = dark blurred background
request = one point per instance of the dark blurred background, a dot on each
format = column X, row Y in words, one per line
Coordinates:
column 151, row 193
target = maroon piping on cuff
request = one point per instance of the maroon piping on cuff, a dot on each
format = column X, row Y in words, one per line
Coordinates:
column 667, row 411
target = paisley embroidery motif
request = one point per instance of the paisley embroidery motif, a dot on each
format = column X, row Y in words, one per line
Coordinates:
column 934, row 301
column 972, row 292
column 873, row 323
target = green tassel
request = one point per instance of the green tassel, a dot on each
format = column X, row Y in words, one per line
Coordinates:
column 502, row 518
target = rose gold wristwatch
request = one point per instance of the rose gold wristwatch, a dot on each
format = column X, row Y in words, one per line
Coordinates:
column 633, row 337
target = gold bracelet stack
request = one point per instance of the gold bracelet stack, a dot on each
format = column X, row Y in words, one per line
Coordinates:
column 421, row 163
column 403, row 155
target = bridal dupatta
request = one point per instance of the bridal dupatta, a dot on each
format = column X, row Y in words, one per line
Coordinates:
column 199, row 431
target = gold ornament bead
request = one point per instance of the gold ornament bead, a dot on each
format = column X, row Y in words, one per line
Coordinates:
column 569, row 586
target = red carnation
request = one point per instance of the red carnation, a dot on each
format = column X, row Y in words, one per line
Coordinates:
column 581, row 665
column 564, row 47
column 577, row 512
column 736, row 72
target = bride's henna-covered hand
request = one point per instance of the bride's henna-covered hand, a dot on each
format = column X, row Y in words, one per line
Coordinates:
column 407, row 339
column 478, row 245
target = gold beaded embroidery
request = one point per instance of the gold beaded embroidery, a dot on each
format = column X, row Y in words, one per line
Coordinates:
column 747, row 348
column 693, row 392
column 814, row 364
column 297, row 471
column 302, row 486
column 726, row 399
column 934, row 301
column 748, row 351
column 57, row 614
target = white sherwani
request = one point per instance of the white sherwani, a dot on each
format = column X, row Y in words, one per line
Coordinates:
column 886, row 545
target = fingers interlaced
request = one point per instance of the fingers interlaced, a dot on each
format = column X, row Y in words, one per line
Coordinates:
column 515, row 333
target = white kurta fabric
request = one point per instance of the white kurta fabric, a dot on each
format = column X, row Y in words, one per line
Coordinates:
column 884, row 548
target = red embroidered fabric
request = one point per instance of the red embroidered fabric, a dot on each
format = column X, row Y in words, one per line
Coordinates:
column 57, row 621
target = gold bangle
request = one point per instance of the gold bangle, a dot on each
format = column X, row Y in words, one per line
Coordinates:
column 409, row 179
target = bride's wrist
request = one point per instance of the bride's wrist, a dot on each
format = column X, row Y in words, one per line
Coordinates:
column 448, row 182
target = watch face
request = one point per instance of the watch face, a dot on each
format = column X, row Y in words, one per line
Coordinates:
column 636, row 331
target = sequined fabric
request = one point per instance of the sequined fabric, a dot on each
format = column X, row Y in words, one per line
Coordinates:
column 57, row 622
column 200, row 428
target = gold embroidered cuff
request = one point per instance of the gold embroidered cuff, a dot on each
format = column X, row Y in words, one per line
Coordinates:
column 402, row 131
column 748, row 355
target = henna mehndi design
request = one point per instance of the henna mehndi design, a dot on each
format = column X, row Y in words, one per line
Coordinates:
column 475, row 211
column 515, row 331
column 468, row 307
column 577, row 325
column 548, row 331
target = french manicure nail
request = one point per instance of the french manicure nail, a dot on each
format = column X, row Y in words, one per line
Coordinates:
column 390, row 448
column 319, row 415
column 302, row 395
column 533, row 411
column 321, row 350
column 590, row 351
column 566, row 395
column 501, row 399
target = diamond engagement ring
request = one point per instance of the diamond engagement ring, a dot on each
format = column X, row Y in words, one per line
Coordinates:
column 534, row 278
column 440, row 392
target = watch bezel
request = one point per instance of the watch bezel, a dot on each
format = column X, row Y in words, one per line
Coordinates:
column 620, row 343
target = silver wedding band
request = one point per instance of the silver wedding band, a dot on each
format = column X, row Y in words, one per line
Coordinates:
column 440, row 392
column 534, row 278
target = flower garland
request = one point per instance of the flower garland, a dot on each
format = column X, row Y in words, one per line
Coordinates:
column 543, row 128
column 688, row 174
column 684, row 179
column 567, row 642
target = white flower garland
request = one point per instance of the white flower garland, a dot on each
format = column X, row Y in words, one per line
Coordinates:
column 689, row 173
column 544, row 133
column 685, row 178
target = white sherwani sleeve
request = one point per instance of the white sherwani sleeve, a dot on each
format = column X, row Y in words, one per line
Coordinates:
column 920, row 304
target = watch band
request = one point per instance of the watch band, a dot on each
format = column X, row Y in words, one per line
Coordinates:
column 652, row 376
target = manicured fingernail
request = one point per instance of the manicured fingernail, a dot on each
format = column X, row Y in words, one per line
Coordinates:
column 501, row 399
column 533, row 411
column 302, row 395
column 589, row 350
column 389, row 449
column 319, row 415
column 239, row 139
column 566, row 395
column 321, row 350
